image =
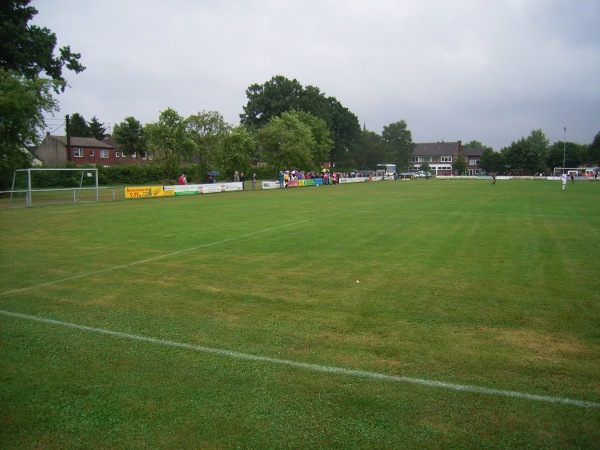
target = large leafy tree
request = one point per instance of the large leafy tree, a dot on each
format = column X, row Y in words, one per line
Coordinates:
column 369, row 152
column 29, row 74
column 129, row 136
column 28, row 50
column 320, row 133
column 491, row 161
column 459, row 165
column 169, row 141
column 287, row 143
column 528, row 154
column 22, row 103
column 236, row 151
column 399, row 145
column 206, row 131
column 280, row 95
column 569, row 153
column 594, row 150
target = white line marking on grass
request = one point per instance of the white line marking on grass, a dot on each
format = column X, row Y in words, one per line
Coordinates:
column 315, row 367
column 156, row 258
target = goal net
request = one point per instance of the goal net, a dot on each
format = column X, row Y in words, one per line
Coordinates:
column 36, row 186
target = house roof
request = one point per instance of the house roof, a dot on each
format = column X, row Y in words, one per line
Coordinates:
column 472, row 151
column 437, row 149
column 81, row 142
column 110, row 141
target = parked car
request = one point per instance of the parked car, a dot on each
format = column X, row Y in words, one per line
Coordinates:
column 405, row 175
column 422, row 174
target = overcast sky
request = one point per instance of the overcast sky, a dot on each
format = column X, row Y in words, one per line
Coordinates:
column 486, row 70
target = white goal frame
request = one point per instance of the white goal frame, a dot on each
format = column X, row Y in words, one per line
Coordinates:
column 28, row 192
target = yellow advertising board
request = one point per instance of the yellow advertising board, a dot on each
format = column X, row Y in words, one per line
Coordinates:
column 148, row 191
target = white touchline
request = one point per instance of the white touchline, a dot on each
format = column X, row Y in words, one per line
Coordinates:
column 315, row 367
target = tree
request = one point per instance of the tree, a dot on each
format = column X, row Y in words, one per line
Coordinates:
column 22, row 104
column 476, row 144
column 270, row 100
column 369, row 152
column 237, row 150
column 459, row 165
column 528, row 154
column 569, row 153
column 169, row 142
column 129, row 136
column 287, row 143
column 398, row 140
column 281, row 95
column 321, row 136
column 26, row 54
column 492, row 162
column 425, row 167
column 78, row 126
column 206, row 131
column 594, row 150
column 97, row 129
column 28, row 50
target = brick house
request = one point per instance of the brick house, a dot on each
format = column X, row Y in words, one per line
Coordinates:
column 439, row 156
column 54, row 153
column 473, row 156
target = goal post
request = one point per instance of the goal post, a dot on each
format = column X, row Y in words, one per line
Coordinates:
column 46, row 186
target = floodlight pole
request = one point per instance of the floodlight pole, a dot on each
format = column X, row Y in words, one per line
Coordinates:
column 564, row 149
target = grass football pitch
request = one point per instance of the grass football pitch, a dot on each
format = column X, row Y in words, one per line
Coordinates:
column 424, row 313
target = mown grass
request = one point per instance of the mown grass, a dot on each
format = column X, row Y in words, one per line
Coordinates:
column 459, row 281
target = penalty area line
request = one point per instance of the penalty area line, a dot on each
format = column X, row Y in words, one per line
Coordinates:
column 158, row 257
column 314, row 367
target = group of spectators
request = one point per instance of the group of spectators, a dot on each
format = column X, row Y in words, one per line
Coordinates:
column 289, row 175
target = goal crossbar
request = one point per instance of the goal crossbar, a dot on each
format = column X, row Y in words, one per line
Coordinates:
column 29, row 189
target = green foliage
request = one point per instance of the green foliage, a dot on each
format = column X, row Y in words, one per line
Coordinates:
column 28, row 49
column 321, row 135
column 129, row 136
column 78, row 126
column 26, row 55
column 237, row 150
column 281, row 95
column 206, row 131
column 493, row 162
column 287, row 143
column 594, row 151
column 23, row 103
column 528, row 155
column 369, row 152
column 399, row 144
column 97, row 129
column 571, row 153
column 459, row 165
column 169, row 142
column 476, row 144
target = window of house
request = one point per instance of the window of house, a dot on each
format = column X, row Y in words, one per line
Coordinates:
column 91, row 152
column 415, row 159
column 103, row 153
column 473, row 162
column 134, row 155
column 78, row 152
column 117, row 154
column 446, row 158
column 143, row 155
